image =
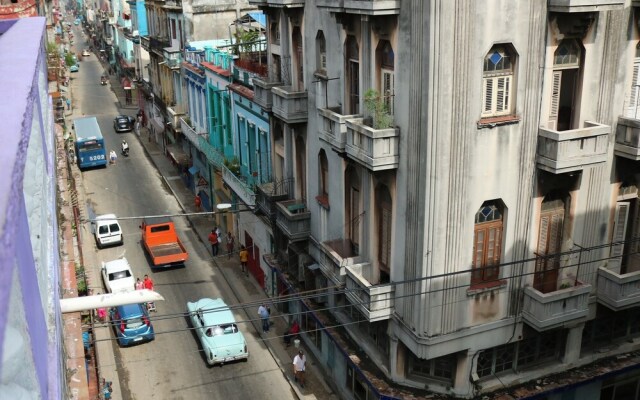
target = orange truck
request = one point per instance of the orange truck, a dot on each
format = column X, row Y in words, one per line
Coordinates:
column 162, row 243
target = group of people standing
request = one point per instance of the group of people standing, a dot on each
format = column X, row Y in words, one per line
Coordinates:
column 216, row 238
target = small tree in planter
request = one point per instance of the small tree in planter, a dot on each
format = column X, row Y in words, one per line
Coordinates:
column 378, row 116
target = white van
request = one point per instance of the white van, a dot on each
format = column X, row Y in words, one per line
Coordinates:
column 107, row 231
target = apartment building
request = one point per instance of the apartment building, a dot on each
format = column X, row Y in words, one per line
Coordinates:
column 461, row 178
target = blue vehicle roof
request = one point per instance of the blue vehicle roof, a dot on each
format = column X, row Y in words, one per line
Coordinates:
column 130, row 311
column 87, row 128
column 215, row 312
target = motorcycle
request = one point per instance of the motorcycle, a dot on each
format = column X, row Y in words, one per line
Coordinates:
column 103, row 80
column 125, row 149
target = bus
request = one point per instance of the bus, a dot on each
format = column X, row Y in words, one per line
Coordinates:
column 89, row 145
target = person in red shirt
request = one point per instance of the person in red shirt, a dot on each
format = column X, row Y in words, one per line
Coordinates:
column 213, row 239
column 148, row 283
column 198, row 203
column 292, row 332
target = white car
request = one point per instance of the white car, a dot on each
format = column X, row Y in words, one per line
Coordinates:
column 117, row 276
column 86, row 53
column 107, row 231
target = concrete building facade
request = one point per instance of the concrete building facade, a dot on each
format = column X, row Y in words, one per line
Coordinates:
column 463, row 181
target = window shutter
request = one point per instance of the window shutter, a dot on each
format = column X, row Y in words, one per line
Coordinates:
column 635, row 245
column 543, row 237
column 487, row 95
column 493, row 253
column 387, row 85
column 619, row 228
column 478, row 256
column 385, row 234
column 555, row 94
column 633, row 93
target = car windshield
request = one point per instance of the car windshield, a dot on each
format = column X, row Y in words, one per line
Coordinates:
column 119, row 275
column 134, row 323
column 220, row 330
column 114, row 228
column 103, row 229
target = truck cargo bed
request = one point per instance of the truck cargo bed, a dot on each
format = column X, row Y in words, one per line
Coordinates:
column 167, row 249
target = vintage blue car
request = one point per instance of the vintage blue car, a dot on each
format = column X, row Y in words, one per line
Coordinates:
column 74, row 68
column 216, row 328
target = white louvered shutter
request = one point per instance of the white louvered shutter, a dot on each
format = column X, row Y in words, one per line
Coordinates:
column 632, row 101
column 619, row 228
column 503, row 95
column 487, row 96
column 555, row 98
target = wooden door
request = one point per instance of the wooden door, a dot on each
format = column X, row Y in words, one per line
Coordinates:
column 549, row 246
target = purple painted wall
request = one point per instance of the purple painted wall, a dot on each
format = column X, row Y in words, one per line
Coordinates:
column 22, row 68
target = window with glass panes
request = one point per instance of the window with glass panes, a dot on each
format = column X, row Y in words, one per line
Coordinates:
column 497, row 82
column 487, row 244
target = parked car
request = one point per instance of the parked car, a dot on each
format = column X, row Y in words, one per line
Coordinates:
column 216, row 328
column 86, row 53
column 107, row 231
column 77, row 21
column 74, row 68
column 117, row 276
column 131, row 324
column 123, row 123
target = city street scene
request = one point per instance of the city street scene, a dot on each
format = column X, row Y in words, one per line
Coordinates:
column 320, row 199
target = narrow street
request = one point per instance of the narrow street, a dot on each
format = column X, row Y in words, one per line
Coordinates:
column 171, row 366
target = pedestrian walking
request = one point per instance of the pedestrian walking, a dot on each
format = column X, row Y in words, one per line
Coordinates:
column 68, row 103
column 148, row 283
column 264, row 315
column 230, row 242
column 138, row 128
column 113, row 157
column 139, row 284
column 299, row 367
column 244, row 257
column 213, row 239
column 198, row 203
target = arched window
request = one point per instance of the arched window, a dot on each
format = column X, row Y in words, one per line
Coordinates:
column 498, row 81
column 566, row 80
column 296, row 39
column 487, row 244
column 321, row 52
column 352, row 69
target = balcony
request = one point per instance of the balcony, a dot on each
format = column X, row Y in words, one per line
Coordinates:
column 376, row 149
column 375, row 302
column 544, row 311
column 618, row 291
column 172, row 57
column 294, row 219
column 333, row 129
column 262, row 94
column 570, row 6
column 145, row 42
column 290, row 105
column 268, row 194
column 239, row 187
column 278, row 3
column 175, row 113
column 158, row 44
column 628, row 138
column 372, row 7
column 572, row 150
column 334, row 256
column 191, row 134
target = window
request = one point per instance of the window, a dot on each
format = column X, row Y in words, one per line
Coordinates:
column 296, row 39
column 564, row 85
column 552, row 215
column 384, row 219
column 385, row 61
column 634, row 94
column 487, row 244
column 324, row 174
column 353, row 75
column 173, row 29
column 352, row 207
column 441, row 368
column 275, row 32
column 321, row 51
column 497, row 82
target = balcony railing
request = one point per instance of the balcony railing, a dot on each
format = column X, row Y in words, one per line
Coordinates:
column 374, row 302
column 572, row 150
column 334, row 256
column 268, row 194
column 333, row 128
column 159, row 43
column 628, row 138
column 191, row 134
column 173, row 57
column 294, row 219
column 584, row 5
column 175, row 113
column 376, row 149
column 145, row 42
column 278, row 3
column 616, row 290
column 262, row 94
column 544, row 311
column 289, row 104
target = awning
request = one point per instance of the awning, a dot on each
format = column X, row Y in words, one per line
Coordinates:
column 194, row 170
column 126, row 84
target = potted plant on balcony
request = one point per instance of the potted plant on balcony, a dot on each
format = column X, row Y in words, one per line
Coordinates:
column 233, row 165
column 378, row 116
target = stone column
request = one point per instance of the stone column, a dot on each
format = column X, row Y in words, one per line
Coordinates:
column 573, row 344
column 366, row 62
column 461, row 382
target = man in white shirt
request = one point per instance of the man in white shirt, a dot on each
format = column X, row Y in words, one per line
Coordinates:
column 299, row 367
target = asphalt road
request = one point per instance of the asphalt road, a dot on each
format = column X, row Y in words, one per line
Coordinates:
column 172, row 366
